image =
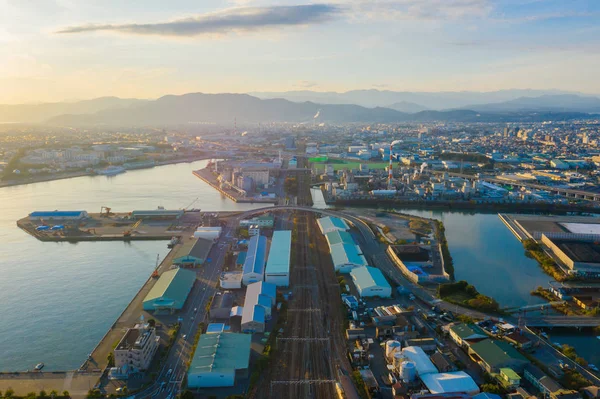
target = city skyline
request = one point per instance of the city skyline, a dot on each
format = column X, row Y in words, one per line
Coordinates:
column 56, row 50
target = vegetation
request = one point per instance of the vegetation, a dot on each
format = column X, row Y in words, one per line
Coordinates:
column 361, row 387
column 549, row 296
column 440, row 236
column 462, row 293
column 187, row 394
column 548, row 265
column 290, row 186
column 152, row 322
column 420, row 226
column 574, row 380
column 570, row 352
column 110, row 359
column 492, row 388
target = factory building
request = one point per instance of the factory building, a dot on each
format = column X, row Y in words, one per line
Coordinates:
column 260, row 299
column 254, row 264
column 346, row 257
column 464, row 335
column 339, row 237
column 218, row 359
column 330, row 223
column 581, row 256
column 447, row 383
column 170, row 291
column 420, row 359
column 58, row 215
column 231, row 280
column 136, row 349
column 494, row 355
column 370, row 282
column 278, row 264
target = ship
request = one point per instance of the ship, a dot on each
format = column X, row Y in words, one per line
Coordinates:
column 111, row 171
column 39, row 366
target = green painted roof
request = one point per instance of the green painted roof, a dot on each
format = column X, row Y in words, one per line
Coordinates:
column 510, row 373
column 173, row 284
column 495, row 353
column 466, row 331
column 221, row 352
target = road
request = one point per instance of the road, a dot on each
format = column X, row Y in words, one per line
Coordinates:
column 169, row 380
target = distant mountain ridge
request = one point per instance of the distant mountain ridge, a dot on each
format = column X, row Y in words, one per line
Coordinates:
column 428, row 100
column 558, row 102
column 36, row 113
column 246, row 109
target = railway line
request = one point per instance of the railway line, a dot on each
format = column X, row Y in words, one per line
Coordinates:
column 311, row 349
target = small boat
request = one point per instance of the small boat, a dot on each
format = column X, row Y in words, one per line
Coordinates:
column 173, row 242
column 39, row 366
column 592, row 367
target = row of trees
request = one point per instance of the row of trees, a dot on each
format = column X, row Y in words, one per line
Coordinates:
column 10, row 394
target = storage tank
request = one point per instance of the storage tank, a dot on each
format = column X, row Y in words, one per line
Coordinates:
column 397, row 359
column 391, row 347
column 407, row 371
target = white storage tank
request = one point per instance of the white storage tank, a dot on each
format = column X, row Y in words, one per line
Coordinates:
column 407, row 371
column 391, row 347
column 397, row 359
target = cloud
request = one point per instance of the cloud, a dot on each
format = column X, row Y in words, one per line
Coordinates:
column 422, row 9
column 306, row 84
column 223, row 22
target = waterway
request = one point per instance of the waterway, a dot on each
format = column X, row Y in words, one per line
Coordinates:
column 59, row 299
column 489, row 256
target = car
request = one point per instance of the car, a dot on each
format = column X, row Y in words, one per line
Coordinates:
column 195, row 310
column 169, row 372
column 184, row 336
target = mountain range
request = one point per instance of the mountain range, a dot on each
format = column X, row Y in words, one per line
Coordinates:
column 247, row 109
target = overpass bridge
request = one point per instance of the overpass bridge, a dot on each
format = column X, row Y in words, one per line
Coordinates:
column 540, row 306
column 561, row 321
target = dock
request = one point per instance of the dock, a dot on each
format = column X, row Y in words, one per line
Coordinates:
column 111, row 227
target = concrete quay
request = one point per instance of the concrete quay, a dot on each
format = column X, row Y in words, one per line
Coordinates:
column 77, row 383
column 207, row 177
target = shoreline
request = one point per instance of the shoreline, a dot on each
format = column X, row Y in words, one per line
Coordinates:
column 43, row 179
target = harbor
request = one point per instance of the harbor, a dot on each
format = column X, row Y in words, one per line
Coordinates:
column 235, row 195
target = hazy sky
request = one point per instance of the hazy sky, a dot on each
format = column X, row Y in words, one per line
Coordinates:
column 54, row 50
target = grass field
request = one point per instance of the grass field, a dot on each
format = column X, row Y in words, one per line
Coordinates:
column 352, row 165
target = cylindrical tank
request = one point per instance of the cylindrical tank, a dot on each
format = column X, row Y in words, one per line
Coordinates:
column 397, row 359
column 391, row 347
column 407, row 371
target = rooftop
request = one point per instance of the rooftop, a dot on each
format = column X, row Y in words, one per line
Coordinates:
column 330, row 222
column 279, row 253
column 339, row 236
column 495, row 353
column 255, row 258
column 366, row 276
column 173, row 284
column 579, row 251
column 221, row 352
column 343, row 254
column 453, row 382
column 465, row 331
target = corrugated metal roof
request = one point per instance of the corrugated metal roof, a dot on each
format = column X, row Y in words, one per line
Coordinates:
column 279, row 253
column 338, row 236
column 56, row 214
column 420, row 359
column 173, row 284
column 366, row 277
column 330, row 222
column 495, row 353
column 343, row 254
column 253, row 292
column 221, row 353
column 255, row 258
column 458, row 381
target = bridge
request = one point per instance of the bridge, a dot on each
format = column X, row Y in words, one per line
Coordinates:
column 540, row 306
column 562, row 321
column 565, row 192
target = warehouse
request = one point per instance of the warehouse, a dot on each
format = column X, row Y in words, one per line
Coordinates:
column 278, row 264
column 339, row 237
column 260, row 298
column 582, row 256
column 346, row 257
column 218, row 359
column 494, row 355
column 370, row 282
column 193, row 253
column 157, row 214
column 208, row 233
column 254, row 264
column 330, row 223
column 170, row 291
column 465, row 335
column 58, row 215
column 445, row 383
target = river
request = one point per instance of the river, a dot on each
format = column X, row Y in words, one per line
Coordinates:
column 59, row 299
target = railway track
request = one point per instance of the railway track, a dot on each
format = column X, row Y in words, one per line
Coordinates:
column 312, row 350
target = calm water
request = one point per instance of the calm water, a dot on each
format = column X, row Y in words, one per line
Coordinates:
column 58, row 300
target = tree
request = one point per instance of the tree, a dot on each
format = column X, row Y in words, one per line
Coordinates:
column 53, row 393
column 9, row 393
column 42, row 394
column 152, row 322
column 187, row 394
column 111, row 359
column 66, row 394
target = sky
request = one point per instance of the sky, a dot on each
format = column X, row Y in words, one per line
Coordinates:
column 56, row 50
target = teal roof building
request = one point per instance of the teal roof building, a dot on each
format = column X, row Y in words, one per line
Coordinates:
column 370, row 281
column 277, row 270
column 170, row 290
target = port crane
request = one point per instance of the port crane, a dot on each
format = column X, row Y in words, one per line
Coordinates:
column 155, row 272
column 105, row 211
column 127, row 233
column 192, row 203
